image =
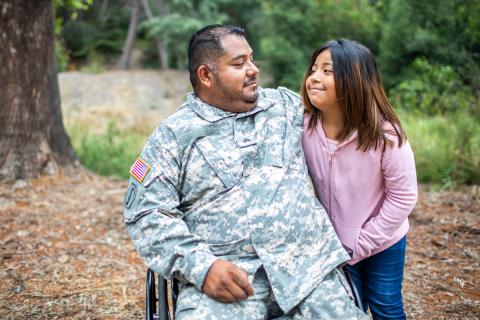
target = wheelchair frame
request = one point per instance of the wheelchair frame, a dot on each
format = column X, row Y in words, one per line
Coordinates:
column 164, row 296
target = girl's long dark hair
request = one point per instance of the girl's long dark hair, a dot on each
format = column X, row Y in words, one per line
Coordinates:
column 360, row 95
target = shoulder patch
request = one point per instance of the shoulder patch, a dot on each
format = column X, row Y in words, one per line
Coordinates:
column 139, row 169
column 130, row 196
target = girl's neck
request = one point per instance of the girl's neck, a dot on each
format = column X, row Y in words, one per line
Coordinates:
column 332, row 124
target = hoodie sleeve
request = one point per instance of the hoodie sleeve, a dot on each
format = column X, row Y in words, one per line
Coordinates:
column 398, row 168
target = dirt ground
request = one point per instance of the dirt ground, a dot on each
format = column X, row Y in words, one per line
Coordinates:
column 65, row 253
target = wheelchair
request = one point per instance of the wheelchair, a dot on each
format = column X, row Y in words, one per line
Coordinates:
column 163, row 297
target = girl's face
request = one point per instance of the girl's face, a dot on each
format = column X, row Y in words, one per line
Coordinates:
column 320, row 84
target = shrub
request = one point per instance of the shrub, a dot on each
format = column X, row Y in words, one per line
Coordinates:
column 446, row 147
column 95, row 63
column 434, row 89
column 110, row 153
column 61, row 56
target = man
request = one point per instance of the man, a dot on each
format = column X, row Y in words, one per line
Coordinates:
column 220, row 199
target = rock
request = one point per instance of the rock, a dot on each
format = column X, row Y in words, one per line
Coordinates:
column 22, row 233
column 20, row 184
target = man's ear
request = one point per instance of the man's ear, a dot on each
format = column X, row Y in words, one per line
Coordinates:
column 205, row 76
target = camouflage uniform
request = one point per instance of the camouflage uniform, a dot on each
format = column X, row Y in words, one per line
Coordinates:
column 233, row 186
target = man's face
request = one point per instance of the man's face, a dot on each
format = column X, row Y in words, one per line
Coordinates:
column 235, row 80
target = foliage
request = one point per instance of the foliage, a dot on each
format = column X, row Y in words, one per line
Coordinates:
column 247, row 14
column 290, row 35
column 62, row 8
column 428, row 52
column 444, row 32
column 434, row 89
column 110, row 153
column 72, row 6
column 283, row 33
column 68, row 9
column 178, row 20
column 446, row 148
column 61, row 55
column 176, row 28
column 95, row 63
column 97, row 31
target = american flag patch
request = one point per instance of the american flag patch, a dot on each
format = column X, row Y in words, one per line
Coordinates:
column 139, row 169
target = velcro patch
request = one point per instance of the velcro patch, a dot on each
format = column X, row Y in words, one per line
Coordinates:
column 139, row 169
column 130, row 196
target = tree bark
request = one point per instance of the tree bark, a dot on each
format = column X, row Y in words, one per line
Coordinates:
column 124, row 62
column 33, row 140
column 162, row 51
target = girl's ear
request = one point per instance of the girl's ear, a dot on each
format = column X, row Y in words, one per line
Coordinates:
column 205, row 76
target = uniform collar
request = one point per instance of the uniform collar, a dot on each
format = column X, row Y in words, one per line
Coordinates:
column 213, row 114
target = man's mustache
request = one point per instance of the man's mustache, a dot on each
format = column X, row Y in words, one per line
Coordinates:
column 250, row 81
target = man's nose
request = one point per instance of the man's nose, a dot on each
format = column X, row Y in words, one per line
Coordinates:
column 252, row 69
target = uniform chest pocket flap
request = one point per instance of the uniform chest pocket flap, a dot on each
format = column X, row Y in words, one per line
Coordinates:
column 224, row 159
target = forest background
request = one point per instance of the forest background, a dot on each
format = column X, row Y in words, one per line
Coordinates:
column 428, row 53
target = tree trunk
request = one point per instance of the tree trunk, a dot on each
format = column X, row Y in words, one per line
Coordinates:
column 33, row 140
column 162, row 51
column 124, row 62
column 162, row 55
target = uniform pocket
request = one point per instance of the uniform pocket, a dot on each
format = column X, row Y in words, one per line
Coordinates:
column 225, row 162
column 230, row 248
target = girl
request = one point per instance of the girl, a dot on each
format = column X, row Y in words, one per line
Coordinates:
column 362, row 168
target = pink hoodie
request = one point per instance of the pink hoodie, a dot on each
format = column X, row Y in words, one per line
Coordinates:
column 368, row 197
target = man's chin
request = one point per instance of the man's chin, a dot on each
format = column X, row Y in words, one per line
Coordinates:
column 252, row 98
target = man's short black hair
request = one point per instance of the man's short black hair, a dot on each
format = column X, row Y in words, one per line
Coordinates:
column 205, row 47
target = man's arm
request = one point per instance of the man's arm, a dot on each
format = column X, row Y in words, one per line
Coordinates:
column 290, row 100
column 153, row 220
column 160, row 235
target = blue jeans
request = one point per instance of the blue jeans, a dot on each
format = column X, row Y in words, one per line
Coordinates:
column 379, row 282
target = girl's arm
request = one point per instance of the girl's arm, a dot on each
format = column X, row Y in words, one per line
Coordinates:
column 398, row 167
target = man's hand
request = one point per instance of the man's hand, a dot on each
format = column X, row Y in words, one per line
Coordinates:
column 227, row 283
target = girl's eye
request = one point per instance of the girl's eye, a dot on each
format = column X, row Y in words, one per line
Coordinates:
column 328, row 71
